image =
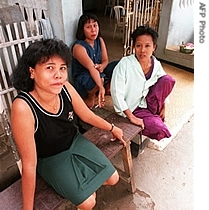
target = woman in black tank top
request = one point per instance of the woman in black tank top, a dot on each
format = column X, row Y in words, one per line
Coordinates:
column 49, row 142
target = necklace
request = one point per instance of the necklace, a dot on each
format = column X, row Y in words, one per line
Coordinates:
column 52, row 106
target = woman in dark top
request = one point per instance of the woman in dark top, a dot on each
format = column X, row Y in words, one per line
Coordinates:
column 44, row 130
column 91, row 69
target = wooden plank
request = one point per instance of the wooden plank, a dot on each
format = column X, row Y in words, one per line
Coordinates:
column 102, row 138
column 17, row 39
column 14, row 55
column 8, row 67
column 11, row 50
column 128, row 166
column 25, row 34
column 103, row 113
column 11, row 14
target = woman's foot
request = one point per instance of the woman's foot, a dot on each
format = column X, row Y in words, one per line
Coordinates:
column 89, row 101
column 107, row 93
column 107, row 89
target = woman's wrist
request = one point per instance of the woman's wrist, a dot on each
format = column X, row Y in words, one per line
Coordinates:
column 112, row 127
column 131, row 117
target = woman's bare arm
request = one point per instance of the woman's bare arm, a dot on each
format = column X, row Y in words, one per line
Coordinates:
column 86, row 115
column 22, row 123
column 79, row 52
column 105, row 60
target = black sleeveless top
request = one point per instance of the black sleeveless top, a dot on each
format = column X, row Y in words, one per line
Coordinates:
column 54, row 133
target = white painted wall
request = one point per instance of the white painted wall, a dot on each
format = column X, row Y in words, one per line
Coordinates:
column 64, row 15
column 181, row 26
column 176, row 25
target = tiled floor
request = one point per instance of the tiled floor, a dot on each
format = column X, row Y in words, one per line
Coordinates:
column 164, row 179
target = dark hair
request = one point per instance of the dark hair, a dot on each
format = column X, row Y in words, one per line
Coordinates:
column 85, row 18
column 37, row 52
column 144, row 30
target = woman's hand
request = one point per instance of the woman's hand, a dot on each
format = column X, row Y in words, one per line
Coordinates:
column 118, row 134
column 137, row 121
column 162, row 112
column 133, row 119
column 101, row 97
column 99, row 67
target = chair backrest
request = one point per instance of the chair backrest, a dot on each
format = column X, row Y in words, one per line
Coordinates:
column 119, row 12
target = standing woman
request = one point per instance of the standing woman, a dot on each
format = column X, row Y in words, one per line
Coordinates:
column 43, row 126
column 140, row 86
column 91, row 69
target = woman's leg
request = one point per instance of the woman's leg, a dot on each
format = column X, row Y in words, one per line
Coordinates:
column 109, row 69
column 87, row 89
column 90, row 98
column 113, row 179
column 158, row 93
column 108, row 72
column 154, row 127
column 89, row 203
column 75, row 173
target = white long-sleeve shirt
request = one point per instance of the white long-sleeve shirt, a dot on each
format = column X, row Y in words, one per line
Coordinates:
column 129, row 86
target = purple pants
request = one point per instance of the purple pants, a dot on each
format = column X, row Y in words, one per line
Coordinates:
column 154, row 127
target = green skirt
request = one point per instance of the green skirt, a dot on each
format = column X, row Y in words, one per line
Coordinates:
column 77, row 172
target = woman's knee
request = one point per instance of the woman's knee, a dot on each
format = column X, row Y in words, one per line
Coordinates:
column 113, row 179
column 167, row 79
column 89, row 203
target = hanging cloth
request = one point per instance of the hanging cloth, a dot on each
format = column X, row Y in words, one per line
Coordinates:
column 46, row 28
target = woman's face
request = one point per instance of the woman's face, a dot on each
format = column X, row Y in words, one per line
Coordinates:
column 50, row 76
column 91, row 30
column 144, row 47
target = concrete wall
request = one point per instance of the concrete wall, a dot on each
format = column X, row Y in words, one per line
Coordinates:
column 181, row 26
column 64, row 15
column 176, row 25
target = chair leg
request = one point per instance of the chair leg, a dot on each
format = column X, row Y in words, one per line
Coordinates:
column 105, row 10
column 114, row 31
column 111, row 12
column 123, row 34
column 128, row 166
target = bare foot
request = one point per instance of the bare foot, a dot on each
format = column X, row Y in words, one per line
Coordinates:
column 107, row 92
column 107, row 89
column 89, row 101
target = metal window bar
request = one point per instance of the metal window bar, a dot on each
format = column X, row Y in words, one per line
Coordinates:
column 140, row 12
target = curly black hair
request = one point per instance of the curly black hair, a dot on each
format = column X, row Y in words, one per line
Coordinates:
column 37, row 52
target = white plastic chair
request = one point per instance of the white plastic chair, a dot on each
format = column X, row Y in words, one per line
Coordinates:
column 110, row 6
column 119, row 23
